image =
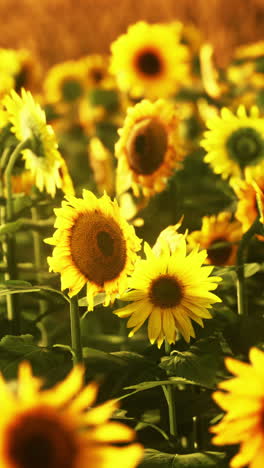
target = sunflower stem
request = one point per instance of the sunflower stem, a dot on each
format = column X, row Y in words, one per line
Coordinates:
column 171, row 401
column 240, row 260
column 75, row 331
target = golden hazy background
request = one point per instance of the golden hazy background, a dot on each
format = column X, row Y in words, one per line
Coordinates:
column 57, row 30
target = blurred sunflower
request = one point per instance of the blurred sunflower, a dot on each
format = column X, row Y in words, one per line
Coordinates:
column 94, row 245
column 219, row 236
column 42, row 158
column 149, row 61
column 96, row 71
column 54, row 428
column 245, row 190
column 64, row 82
column 22, row 183
column 170, row 290
column 101, row 161
column 234, row 142
column 149, row 147
column 242, row 400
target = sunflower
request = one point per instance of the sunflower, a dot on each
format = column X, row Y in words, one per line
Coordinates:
column 245, row 190
column 94, row 245
column 96, row 71
column 64, row 82
column 149, row 147
column 42, row 158
column 22, row 183
column 54, row 428
column 219, row 236
column 170, row 237
column 101, row 162
column 234, row 141
column 169, row 290
column 242, row 400
column 149, row 60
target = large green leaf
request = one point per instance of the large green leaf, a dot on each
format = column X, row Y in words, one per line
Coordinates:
column 154, row 458
column 53, row 364
column 200, row 364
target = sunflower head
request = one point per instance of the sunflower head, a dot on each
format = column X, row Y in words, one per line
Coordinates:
column 219, row 235
column 64, row 82
column 242, row 400
column 170, row 290
column 234, row 141
column 94, row 245
column 52, row 428
column 42, row 159
column 149, row 60
column 249, row 192
column 96, row 71
column 149, row 147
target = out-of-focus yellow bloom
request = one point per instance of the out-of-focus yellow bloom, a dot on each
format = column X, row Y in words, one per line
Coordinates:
column 169, row 238
column 242, row 400
column 94, row 246
column 58, row 428
column 101, row 161
column 218, row 230
column 64, row 82
column 149, row 147
column 149, row 61
column 169, row 290
column 234, row 141
column 96, row 71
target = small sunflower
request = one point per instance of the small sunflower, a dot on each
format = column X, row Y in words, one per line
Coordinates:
column 149, row 60
column 170, row 290
column 64, row 82
column 94, row 245
column 96, row 71
column 219, row 236
column 102, row 164
column 149, row 147
column 234, row 141
column 42, row 158
column 242, row 400
column 54, row 428
column 245, row 190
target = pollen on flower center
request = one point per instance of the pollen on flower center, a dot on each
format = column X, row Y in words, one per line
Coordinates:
column 146, row 146
column 98, row 247
column 165, row 291
column 40, row 439
column 219, row 255
column 148, row 63
column 245, row 145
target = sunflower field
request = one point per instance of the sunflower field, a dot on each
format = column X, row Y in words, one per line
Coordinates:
column 132, row 255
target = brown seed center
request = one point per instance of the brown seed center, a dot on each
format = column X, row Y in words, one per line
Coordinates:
column 165, row 291
column 149, row 63
column 39, row 439
column 147, row 146
column 219, row 255
column 98, row 247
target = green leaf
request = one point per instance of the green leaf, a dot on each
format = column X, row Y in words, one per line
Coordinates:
column 154, row 458
column 250, row 269
column 11, row 228
column 18, row 287
column 51, row 363
column 199, row 364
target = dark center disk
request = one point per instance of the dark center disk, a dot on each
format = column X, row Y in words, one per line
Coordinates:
column 71, row 90
column 147, row 146
column 245, row 146
column 97, row 75
column 38, row 440
column 148, row 63
column 165, row 292
column 98, row 247
column 219, row 255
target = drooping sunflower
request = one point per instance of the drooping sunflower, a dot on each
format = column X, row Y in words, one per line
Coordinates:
column 169, row 237
column 94, row 245
column 170, row 290
column 41, row 156
column 242, row 400
column 245, row 190
column 234, row 141
column 149, row 61
column 219, row 235
column 149, row 147
column 64, row 82
column 54, row 428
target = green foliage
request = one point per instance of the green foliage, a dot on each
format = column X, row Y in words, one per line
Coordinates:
column 153, row 458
